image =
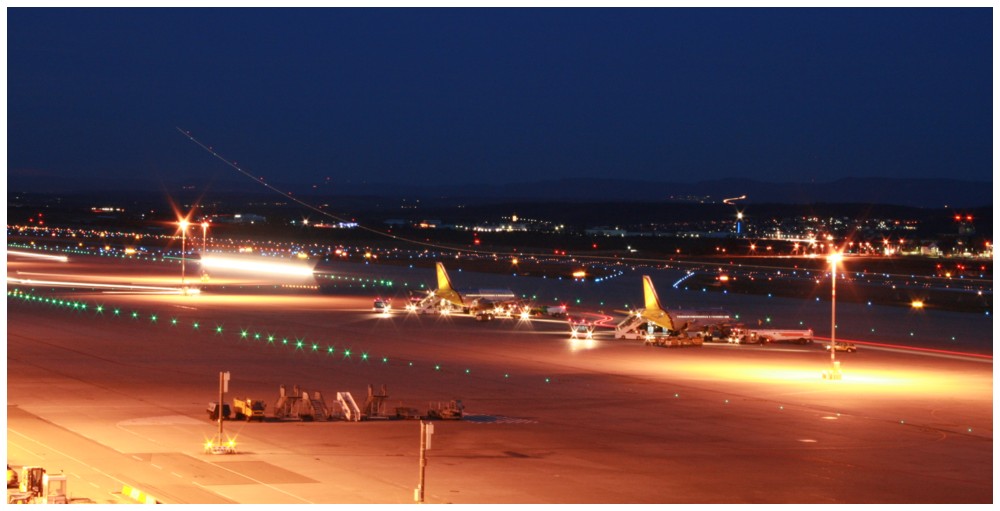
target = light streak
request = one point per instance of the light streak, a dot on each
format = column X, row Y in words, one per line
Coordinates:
column 255, row 266
column 912, row 348
column 18, row 253
column 94, row 285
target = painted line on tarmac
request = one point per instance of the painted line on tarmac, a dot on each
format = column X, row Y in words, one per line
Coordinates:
column 29, row 451
column 496, row 419
column 279, row 490
column 95, row 469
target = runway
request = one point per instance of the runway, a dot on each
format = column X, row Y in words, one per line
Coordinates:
column 117, row 396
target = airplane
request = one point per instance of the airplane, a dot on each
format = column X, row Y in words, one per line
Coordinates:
column 446, row 297
column 444, row 290
column 652, row 314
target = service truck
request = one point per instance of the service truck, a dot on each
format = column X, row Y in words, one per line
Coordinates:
column 740, row 335
column 249, row 409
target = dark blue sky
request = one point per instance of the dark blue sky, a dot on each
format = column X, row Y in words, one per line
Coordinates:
column 500, row 95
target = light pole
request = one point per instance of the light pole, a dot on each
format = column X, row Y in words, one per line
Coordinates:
column 204, row 235
column 184, row 226
column 834, row 260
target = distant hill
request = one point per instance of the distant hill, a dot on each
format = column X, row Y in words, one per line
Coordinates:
column 934, row 193
column 926, row 193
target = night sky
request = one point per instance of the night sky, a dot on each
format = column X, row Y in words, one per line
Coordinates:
column 417, row 96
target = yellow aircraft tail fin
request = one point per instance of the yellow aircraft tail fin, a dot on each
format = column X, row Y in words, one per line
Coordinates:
column 649, row 292
column 444, row 283
column 444, row 289
column 654, row 312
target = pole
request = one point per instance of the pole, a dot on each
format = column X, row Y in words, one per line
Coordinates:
column 833, row 313
column 221, row 404
column 183, row 236
column 418, row 495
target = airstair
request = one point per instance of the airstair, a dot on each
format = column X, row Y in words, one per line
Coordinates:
column 351, row 410
column 299, row 405
column 375, row 403
column 428, row 304
column 318, row 407
column 632, row 327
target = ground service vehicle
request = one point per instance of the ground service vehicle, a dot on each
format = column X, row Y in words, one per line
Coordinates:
column 555, row 311
column 381, row 305
column 37, row 487
column 452, row 410
column 249, row 409
column 849, row 347
column 213, row 413
column 674, row 340
column 581, row 330
column 743, row 335
column 11, row 477
column 720, row 332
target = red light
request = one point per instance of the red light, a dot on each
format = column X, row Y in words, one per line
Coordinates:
column 476, row 241
column 595, row 245
column 968, row 217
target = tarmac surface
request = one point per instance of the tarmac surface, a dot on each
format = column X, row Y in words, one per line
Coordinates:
column 119, row 398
